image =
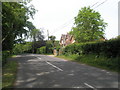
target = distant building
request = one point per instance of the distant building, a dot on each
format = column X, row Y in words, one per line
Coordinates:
column 66, row 39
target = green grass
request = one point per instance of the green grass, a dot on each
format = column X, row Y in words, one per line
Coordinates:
column 71, row 57
column 103, row 62
column 9, row 74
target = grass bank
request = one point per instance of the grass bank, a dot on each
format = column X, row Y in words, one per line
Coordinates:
column 111, row 64
column 9, row 72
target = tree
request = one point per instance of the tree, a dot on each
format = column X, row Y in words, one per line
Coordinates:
column 49, row 47
column 36, row 35
column 52, row 39
column 14, row 22
column 21, row 48
column 89, row 25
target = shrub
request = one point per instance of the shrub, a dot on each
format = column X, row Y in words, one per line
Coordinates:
column 49, row 47
column 38, row 51
column 109, row 48
column 21, row 48
column 42, row 50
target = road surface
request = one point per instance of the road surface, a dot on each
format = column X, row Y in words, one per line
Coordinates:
column 41, row 71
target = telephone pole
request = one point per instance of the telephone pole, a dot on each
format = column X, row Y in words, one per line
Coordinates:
column 48, row 34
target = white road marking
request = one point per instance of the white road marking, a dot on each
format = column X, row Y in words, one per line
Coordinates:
column 78, row 87
column 54, row 66
column 38, row 58
column 32, row 55
column 32, row 60
column 102, row 70
column 89, row 86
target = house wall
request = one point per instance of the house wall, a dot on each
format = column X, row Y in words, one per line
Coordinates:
column 66, row 40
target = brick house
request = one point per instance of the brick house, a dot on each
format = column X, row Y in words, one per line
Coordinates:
column 66, row 39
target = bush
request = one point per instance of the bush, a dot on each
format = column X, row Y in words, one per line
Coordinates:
column 110, row 48
column 38, row 51
column 45, row 50
column 41, row 50
column 76, row 48
column 101, row 61
column 49, row 47
column 21, row 48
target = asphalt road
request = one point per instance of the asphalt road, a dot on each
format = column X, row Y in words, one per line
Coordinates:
column 41, row 71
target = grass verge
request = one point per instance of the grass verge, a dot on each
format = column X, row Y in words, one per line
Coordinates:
column 102, row 62
column 9, row 72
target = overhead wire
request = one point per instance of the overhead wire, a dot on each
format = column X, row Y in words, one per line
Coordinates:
column 100, row 4
column 69, row 22
column 94, row 4
column 62, row 26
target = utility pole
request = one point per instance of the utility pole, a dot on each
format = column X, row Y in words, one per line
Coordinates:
column 48, row 34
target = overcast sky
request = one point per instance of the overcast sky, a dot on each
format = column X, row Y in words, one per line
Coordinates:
column 57, row 16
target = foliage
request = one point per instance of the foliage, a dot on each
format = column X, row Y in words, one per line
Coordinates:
column 75, row 48
column 41, row 50
column 9, row 74
column 21, row 48
column 108, row 48
column 52, row 44
column 103, row 54
column 19, row 41
column 57, row 45
column 36, row 35
column 37, row 45
column 89, row 25
column 92, row 59
column 52, row 39
column 49, row 47
column 14, row 22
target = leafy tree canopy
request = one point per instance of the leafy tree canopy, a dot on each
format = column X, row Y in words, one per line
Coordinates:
column 15, row 22
column 36, row 35
column 52, row 39
column 89, row 25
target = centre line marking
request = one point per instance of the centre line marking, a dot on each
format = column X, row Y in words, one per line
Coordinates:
column 54, row 66
column 89, row 86
column 38, row 58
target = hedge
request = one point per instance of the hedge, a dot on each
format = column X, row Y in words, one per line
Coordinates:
column 109, row 48
column 45, row 50
column 21, row 48
column 41, row 50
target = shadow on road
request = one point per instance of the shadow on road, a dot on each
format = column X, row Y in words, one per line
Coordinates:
column 34, row 72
